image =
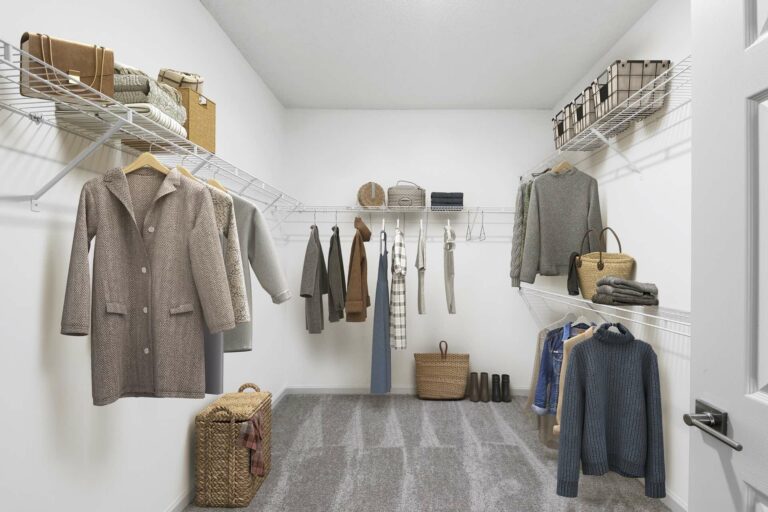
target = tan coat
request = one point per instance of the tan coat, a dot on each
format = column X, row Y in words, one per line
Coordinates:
column 158, row 271
column 358, row 299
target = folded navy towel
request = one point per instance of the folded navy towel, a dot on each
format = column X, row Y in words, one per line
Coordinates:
column 447, row 195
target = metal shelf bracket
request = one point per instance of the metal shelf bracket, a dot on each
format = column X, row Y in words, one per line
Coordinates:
column 34, row 199
column 615, row 149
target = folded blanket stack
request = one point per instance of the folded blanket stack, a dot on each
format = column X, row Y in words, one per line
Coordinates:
column 623, row 292
column 447, row 200
column 133, row 87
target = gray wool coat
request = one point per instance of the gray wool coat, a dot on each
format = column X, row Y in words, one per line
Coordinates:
column 314, row 283
column 337, row 283
column 258, row 249
column 158, row 274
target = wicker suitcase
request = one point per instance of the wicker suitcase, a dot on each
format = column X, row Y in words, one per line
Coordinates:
column 409, row 195
column 223, row 466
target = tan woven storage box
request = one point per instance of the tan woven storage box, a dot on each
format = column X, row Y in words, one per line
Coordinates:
column 222, row 465
column 441, row 376
column 201, row 119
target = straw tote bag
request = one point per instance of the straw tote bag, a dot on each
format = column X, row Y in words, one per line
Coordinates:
column 592, row 266
column 441, row 376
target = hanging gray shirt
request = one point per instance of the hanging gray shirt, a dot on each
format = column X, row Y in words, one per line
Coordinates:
column 449, row 239
column 421, row 267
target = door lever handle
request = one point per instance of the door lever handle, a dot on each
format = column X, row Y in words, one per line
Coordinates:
column 712, row 421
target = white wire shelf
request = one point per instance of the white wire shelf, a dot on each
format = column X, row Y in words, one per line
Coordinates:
column 76, row 108
column 670, row 320
column 668, row 93
column 396, row 210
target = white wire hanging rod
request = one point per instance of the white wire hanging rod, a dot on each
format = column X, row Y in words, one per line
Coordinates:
column 400, row 210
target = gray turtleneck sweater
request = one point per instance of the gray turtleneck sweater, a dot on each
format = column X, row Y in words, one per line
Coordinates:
column 611, row 417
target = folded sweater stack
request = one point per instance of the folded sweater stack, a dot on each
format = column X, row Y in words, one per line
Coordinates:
column 447, row 200
column 623, row 292
column 133, row 86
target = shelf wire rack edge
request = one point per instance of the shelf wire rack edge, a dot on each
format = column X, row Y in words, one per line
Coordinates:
column 622, row 313
column 79, row 109
column 673, row 87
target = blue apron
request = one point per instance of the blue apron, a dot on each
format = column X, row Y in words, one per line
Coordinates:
column 381, row 360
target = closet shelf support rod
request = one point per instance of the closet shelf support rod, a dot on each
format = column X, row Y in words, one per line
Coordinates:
column 616, row 149
column 85, row 153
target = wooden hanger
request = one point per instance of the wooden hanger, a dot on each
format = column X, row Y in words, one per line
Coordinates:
column 185, row 172
column 146, row 159
column 563, row 166
column 216, row 184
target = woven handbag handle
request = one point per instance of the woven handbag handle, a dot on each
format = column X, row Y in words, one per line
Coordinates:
column 247, row 385
column 600, row 264
column 409, row 182
column 581, row 248
column 443, row 351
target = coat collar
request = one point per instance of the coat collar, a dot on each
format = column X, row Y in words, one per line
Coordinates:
column 117, row 183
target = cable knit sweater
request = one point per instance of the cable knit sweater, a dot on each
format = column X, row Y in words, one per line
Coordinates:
column 611, row 416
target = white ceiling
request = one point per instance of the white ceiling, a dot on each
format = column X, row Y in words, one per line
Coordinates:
column 393, row 54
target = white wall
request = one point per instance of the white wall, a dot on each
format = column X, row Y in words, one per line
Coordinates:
column 330, row 153
column 111, row 458
column 651, row 212
column 134, row 454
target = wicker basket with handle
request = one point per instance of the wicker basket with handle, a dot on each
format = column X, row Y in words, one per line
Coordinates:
column 441, row 376
column 592, row 266
column 223, row 476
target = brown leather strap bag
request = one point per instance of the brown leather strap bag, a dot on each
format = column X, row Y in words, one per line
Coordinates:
column 79, row 64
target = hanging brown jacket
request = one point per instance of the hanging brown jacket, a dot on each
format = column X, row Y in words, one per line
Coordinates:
column 358, row 299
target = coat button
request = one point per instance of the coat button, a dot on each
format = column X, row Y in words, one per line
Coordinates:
column 143, row 270
column 146, row 350
column 151, row 229
column 146, row 309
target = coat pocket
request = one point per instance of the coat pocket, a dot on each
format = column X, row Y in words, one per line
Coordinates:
column 117, row 308
column 183, row 308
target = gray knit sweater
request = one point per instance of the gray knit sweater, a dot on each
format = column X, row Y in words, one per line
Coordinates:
column 611, row 417
column 562, row 208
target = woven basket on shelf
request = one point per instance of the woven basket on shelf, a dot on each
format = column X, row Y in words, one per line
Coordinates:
column 441, row 376
column 223, row 466
column 592, row 266
column 371, row 194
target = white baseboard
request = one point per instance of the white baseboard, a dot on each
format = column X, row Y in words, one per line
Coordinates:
column 180, row 503
column 675, row 503
column 323, row 390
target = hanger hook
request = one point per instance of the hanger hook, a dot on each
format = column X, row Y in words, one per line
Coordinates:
column 469, row 229
column 482, row 226
column 336, row 218
column 314, row 217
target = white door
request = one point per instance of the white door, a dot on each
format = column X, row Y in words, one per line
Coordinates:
column 729, row 352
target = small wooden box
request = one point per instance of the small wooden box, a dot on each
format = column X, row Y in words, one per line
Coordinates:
column 201, row 119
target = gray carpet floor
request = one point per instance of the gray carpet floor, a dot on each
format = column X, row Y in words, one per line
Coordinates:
column 398, row 453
